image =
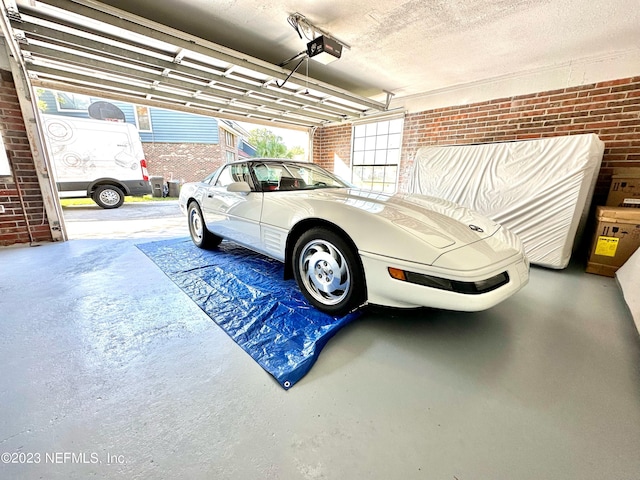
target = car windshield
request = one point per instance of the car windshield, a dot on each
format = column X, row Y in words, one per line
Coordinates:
column 212, row 175
column 294, row 176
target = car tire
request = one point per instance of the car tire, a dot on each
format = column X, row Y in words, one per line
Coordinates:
column 202, row 238
column 108, row 196
column 328, row 272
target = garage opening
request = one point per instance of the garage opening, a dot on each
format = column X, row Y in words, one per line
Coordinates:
column 119, row 166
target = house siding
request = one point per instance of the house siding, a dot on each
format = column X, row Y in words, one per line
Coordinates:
column 247, row 150
column 180, row 127
column 168, row 126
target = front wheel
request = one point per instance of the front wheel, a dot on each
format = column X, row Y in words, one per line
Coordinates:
column 328, row 272
column 108, row 196
column 201, row 237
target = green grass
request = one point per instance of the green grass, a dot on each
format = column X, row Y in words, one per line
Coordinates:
column 67, row 202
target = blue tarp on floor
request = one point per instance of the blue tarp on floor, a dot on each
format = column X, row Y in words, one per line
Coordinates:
column 245, row 294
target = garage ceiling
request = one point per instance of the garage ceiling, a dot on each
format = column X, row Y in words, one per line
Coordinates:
column 87, row 48
column 225, row 62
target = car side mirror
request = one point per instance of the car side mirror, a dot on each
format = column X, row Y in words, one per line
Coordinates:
column 239, row 187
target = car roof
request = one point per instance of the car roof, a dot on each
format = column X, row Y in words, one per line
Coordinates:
column 271, row 160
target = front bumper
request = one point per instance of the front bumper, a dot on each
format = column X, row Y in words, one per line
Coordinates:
column 385, row 290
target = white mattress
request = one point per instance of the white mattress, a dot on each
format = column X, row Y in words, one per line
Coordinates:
column 539, row 189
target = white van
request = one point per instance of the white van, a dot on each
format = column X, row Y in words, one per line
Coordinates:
column 99, row 159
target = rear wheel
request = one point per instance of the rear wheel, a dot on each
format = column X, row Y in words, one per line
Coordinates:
column 201, row 237
column 328, row 272
column 108, row 196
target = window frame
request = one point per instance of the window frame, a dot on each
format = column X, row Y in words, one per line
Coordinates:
column 246, row 175
column 376, row 149
column 229, row 139
column 148, row 118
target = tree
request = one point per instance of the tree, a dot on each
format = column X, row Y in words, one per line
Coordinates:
column 41, row 102
column 296, row 151
column 267, row 143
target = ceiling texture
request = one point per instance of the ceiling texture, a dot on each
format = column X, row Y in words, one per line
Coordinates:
column 223, row 57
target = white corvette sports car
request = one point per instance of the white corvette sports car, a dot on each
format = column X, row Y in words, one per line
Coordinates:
column 348, row 247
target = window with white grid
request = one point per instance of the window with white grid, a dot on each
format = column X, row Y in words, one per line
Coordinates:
column 375, row 155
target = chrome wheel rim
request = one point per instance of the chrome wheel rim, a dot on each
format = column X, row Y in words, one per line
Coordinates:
column 324, row 272
column 109, row 197
column 195, row 223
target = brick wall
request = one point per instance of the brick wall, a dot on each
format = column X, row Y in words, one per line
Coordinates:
column 184, row 162
column 330, row 144
column 18, row 225
column 609, row 109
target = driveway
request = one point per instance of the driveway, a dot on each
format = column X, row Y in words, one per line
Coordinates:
column 131, row 220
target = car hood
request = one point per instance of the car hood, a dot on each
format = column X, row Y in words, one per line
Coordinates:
column 417, row 228
column 438, row 222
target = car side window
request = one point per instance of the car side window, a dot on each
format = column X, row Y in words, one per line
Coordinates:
column 267, row 177
column 236, row 172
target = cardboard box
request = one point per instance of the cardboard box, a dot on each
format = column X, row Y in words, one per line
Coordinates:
column 625, row 188
column 616, row 238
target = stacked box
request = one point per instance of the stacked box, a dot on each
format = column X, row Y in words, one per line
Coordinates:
column 625, row 188
column 616, row 238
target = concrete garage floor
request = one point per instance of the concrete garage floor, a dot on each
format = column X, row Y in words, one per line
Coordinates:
column 108, row 370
